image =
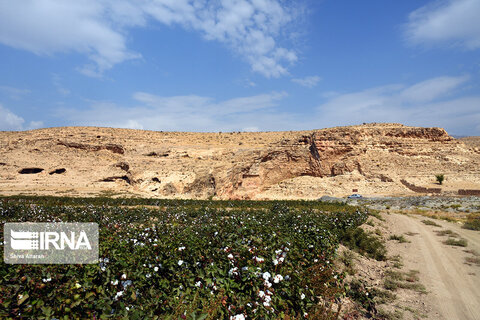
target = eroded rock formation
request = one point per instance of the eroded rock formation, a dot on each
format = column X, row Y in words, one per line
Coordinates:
column 372, row 159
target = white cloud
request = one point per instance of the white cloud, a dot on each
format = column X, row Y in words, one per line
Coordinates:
column 433, row 89
column 427, row 103
column 185, row 113
column 433, row 102
column 308, row 82
column 46, row 27
column 14, row 93
column 98, row 29
column 10, row 121
column 452, row 22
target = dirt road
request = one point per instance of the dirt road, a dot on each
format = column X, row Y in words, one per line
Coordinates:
column 453, row 286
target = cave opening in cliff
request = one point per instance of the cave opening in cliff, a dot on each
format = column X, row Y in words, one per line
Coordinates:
column 30, row 170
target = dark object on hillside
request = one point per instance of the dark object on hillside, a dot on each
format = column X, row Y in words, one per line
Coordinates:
column 440, row 178
column 122, row 165
column 420, row 189
column 467, row 192
column 115, row 148
column 30, row 170
column 115, row 178
column 58, row 171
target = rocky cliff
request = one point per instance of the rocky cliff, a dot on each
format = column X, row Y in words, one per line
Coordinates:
column 372, row 158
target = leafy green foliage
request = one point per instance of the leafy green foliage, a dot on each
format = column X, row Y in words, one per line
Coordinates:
column 364, row 243
column 185, row 259
column 440, row 178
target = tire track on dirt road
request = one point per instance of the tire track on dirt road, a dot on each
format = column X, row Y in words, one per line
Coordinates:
column 454, row 287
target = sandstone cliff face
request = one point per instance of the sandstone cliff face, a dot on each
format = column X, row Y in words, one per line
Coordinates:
column 371, row 158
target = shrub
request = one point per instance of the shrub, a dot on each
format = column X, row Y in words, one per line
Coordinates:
column 473, row 222
column 458, row 243
column 449, row 233
column 399, row 238
column 440, row 178
column 431, row 223
column 347, row 258
column 365, row 243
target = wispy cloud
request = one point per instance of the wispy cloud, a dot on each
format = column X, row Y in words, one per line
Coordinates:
column 10, row 121
column 99, row 29
column 14, row 93
column 439, row 101
column 450, row 22
column 50, row 26
column 308, row 82
column 184, row 113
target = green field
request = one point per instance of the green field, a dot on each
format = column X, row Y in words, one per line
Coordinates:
column 184, row 259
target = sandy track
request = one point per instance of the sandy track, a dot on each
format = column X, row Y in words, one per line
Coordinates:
column 453, row 286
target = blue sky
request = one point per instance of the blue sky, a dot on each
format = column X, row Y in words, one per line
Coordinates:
column 231, row 65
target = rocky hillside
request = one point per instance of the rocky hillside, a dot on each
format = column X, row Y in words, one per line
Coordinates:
column 375, row 159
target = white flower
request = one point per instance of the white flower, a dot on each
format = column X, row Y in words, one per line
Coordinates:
column 258, row 259
column 118, row 295
column 124, row 276
column 180, row 262
column 302, row 296
column 47, row 280
column 237, row 317
column 267, row 284
column 278, row 278
column 127, row 308
column 198, row 284
column 233, row 271
column 114, row 282
column 181, row 248
column 155, row 269
column 275, row 261
column 261, row 294
column 148, row 275
column 266, row 275
column 230, row 256
column 78, row 285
